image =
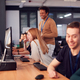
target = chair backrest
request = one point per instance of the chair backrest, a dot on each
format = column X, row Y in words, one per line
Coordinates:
column 63, row 42
column 58, row 38
column 57, row 48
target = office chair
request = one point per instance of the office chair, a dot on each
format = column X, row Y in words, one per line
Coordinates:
column 57, row 49
column 63, row 42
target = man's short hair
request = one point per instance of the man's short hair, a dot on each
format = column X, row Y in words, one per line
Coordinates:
column 44, row 8
column 74, row 24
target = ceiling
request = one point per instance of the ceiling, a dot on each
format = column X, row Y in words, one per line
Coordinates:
column 50, row 3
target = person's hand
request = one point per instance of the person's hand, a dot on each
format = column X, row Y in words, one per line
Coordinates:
column 25, row 40
column 14, row 49
column 15, row 53
column 53, row 74
column 26, row 57
column 42, row 37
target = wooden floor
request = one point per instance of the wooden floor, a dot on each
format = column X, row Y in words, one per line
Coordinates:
column 26, row 71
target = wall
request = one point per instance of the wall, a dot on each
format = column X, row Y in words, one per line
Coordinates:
column 12, row 19
column 39, row 18
column 2, row 22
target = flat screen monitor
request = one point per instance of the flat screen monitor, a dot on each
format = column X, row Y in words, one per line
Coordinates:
column 8, row 38
column 8, row 44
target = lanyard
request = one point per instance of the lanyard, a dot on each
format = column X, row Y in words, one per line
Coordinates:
column 43, row 24
column 73, row 70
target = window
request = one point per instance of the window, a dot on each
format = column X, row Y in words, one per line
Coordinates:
column 51, row 15
column 76, row 15
column 24, row 22
column 61, row 28
column 64, row 15
column 33, row 19
column 28, row 19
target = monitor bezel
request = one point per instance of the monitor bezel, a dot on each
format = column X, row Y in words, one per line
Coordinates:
column 6, row 48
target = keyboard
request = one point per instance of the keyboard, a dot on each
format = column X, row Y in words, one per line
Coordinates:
column 40, row 66
column 24, row 59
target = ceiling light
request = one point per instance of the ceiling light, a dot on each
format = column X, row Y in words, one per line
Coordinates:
column 23, row 1
column 59, row 25
column 61, row 17
column 67, row 15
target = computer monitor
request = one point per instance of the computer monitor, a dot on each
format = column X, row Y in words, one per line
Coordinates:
column 8, row 44
column 8, row 38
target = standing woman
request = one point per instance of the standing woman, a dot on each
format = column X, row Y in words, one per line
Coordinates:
column 39, row 49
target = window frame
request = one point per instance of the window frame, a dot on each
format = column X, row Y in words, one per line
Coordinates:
column 28, row 17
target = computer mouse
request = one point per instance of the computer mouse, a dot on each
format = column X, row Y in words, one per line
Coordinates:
column 22, row 56
column 40, row 76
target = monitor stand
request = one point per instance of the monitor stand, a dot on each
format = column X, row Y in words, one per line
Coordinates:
column 7, row 64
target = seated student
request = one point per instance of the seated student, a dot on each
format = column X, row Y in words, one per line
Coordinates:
column 26, row 45
column 69, row 56
column 39, row 49
column 21, row 44
column 21, row 40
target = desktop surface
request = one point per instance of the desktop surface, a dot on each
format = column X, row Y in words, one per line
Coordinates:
column 26, row 71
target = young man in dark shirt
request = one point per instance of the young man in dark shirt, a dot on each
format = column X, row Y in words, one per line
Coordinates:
column 69, row 56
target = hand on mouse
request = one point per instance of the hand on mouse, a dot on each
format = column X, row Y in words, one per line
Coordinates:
column 53, row 74
column 26, row 57
column 15, row 53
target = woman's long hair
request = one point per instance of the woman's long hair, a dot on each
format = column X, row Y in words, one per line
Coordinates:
column 36, row 35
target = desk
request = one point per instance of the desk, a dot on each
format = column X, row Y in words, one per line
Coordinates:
column 26, row 71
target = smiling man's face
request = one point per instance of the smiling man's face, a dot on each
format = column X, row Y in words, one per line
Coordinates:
column 73, row 37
